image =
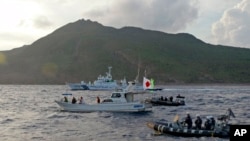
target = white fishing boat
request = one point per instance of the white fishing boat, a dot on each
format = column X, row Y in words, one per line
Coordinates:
column 102, row 83
column 120, row 101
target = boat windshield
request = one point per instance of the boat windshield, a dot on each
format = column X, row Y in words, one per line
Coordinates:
column 116, row 95
column 107, row 100
column 67, row 94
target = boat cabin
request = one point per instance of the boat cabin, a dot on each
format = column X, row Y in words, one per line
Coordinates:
column 120, row 97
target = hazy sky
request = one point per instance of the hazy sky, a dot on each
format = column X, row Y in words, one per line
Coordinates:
column 225, row 22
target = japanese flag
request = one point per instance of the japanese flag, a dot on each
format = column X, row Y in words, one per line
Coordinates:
column 146, row 83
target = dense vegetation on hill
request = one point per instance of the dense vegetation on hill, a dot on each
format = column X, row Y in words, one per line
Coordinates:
column 84, row 49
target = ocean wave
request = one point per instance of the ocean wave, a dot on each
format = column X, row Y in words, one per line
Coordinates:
column 30, row 113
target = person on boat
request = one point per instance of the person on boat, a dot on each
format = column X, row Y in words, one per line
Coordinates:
column 188, row 121
column 226, row 117
column 198, row 122
column 65, row 99
column 171, row 99
column 166, row 99
column 81, row 100
column 207, row 124
column 98, row 99
column 162, row 98
column 212, row 123
column 73, row 100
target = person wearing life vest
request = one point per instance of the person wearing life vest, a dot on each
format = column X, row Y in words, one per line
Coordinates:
column 198, row 122
column 188, row 121
column 207, row 124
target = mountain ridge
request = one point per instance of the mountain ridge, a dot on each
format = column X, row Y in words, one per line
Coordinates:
column 84, row 49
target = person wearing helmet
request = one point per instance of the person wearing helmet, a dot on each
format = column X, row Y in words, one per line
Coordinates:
column 212, row 123
column 188, row 121
column 198, row 122
column 208, row 123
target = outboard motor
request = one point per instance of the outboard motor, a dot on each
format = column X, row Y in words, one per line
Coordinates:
column 226, row 116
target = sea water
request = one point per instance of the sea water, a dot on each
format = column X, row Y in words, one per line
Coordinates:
column 29, row 113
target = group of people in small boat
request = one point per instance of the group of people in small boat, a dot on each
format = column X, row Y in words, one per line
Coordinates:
column 74, row 101
column 209, row 124
column 166, row 98
column 170, row 98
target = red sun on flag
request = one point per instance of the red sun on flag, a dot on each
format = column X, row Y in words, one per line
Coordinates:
column 147, row 84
